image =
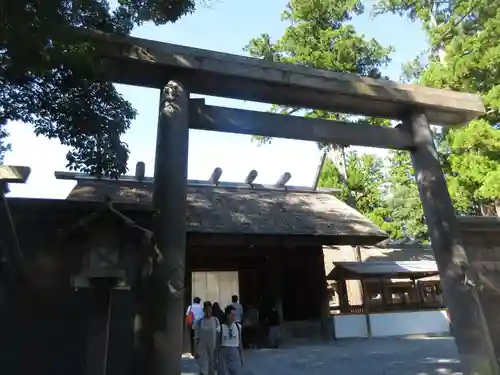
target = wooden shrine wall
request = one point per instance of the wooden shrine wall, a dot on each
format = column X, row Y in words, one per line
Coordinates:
column 481, row 238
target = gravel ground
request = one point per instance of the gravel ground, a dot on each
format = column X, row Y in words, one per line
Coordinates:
column 419, row 355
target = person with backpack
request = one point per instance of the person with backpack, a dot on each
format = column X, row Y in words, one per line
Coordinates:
column 230, row 345
column 193, row 313
column 205, row 340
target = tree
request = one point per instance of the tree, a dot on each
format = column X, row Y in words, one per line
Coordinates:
column 473, row 161
column 4, row 147
column 463, row 56
column 365, row 182
column 406, row 212
column 319, row 37
column 52, row 79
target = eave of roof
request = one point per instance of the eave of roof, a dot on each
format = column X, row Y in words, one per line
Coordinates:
column 383, row 270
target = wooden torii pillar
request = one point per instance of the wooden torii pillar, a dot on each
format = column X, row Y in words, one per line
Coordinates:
column 169, row 201
column 458, row 280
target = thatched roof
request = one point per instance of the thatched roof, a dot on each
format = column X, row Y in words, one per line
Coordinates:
column 248, row 211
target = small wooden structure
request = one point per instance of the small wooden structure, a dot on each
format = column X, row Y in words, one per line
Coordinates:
column 392, row 291
column 401, row 284
column 111, row 249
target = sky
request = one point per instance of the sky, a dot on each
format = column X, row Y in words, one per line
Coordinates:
column 225, row 26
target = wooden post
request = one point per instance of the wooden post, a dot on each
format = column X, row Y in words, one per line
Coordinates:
column 169, row 200
column 273, row 277
column 366, row 309
column 343, row 296
column 188, row 299
column 326, row 323
column 457, row 277
column 98, row 333
column 383, row 294
column 9, row 242
column 416, row 293
column 273, row 291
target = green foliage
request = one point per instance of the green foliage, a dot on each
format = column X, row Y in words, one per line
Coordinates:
column 464, row 56
column 51, row 79
column 403, row 199
column 413, row 70
column 365, row 184
column 474, row 164
column 319, row 37
column 4, row 147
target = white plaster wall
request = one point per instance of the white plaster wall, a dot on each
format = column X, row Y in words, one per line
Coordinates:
column 409, row 323
column 216, row 286
column 349, row 326
column 392, row 324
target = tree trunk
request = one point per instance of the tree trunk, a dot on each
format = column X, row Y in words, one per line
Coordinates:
column 337, row 155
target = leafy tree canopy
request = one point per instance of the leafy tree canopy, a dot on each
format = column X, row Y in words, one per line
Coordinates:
column 473, row 165
column 319, row 36
column 464, row 54
column 365, row 184
column 403, row 200
column 52, row 80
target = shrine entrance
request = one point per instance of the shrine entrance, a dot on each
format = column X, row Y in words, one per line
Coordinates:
column 215, row 286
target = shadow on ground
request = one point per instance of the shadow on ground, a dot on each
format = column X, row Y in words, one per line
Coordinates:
column 392, row 356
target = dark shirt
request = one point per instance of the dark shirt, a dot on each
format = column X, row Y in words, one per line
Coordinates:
column 252, row 316
column 273, row 319
column 219, row 314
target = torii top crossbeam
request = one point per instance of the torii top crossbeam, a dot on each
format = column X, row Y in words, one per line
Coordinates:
column 148, row 63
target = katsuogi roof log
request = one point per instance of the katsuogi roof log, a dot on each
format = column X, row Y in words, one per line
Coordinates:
column 145, row 62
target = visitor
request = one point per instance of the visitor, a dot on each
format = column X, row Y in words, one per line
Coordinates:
column 273, row 327
column 238, row 308
column 205, row 337
column 251, row 327
column 230, row 346
column 193, row 313
column 217, row 312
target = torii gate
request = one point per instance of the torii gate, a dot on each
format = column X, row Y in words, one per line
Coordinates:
column 179, row 71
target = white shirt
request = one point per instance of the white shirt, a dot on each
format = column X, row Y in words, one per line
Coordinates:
column 238, row 309
column 197, row 310
column 230, row 335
